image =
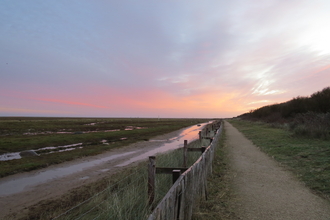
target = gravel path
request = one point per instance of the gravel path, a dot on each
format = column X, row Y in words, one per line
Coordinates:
column 263, row 189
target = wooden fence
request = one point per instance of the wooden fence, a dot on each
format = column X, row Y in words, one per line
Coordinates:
column 190, row 186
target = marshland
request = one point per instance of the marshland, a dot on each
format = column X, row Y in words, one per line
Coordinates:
column 90, row 141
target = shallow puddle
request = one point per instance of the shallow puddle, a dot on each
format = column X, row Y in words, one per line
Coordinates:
column 189, row 134
column 18, row 185
column 10, row 156
column 58, row 149
column 16, row 155
column 128, row 128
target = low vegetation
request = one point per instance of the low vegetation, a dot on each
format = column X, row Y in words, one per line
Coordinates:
column 304, row 116
column 96, row 135
column 308, row 158
column 121, row 196
column 219, row 192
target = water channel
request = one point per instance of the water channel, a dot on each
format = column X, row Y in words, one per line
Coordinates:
column 16, row 185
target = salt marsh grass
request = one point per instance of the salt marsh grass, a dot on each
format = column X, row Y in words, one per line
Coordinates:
column 91, row 132
column 123, row 196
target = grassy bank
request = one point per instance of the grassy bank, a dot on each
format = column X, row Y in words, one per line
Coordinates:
column 216, row 207
column 307, row 158
column 21, row 134
column 121, row 196
column 305, row 116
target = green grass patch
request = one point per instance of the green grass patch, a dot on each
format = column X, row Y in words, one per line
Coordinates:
column 307, row 158
column 19, row 134
column 120, row 196
column 216, row 206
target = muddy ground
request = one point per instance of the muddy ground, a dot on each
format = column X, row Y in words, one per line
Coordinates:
column 16, row 205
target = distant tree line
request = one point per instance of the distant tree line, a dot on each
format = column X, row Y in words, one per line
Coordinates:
column 309, row 116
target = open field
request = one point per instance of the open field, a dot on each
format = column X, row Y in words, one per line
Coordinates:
column 307, row 158
column 74, row 137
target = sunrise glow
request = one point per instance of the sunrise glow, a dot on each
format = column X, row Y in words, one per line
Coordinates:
column 159, row 59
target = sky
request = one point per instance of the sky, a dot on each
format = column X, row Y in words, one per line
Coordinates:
column 169, row 58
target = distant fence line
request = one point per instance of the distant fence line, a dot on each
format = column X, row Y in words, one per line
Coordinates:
column 180, row 200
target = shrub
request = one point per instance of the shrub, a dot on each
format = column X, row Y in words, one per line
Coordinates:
column 320, row 101
column 316, row 125
column 306, row 116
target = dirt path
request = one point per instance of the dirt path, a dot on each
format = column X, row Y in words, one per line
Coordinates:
column 265, row 190
column 17, row 204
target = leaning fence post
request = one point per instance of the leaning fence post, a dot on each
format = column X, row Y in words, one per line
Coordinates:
column 151, row 179
column 185, row 149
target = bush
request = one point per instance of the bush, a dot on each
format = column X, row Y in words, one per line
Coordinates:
column 311, row 124
column 318, row 102
column 306, row 116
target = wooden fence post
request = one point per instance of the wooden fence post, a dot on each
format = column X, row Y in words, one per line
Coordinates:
column 151, row 179
column 175, row 175
column 200, row 135
column 185, row 149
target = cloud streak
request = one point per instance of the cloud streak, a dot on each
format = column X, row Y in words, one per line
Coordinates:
column 173, row 58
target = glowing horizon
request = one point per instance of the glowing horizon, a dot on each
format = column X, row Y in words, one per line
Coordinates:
column 159, row 59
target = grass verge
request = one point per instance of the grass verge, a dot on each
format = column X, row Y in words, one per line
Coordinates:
column 216, row 206
column 307, row 158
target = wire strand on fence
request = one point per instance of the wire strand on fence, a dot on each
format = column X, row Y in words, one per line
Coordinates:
column 110, row 208
column 87, row 200
column 188, row 188
column 134, row 181
column 87, row 212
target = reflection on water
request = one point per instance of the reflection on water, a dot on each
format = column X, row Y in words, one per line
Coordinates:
column 128, row 128
column 17, row 185
column 189, row 134
column 10, row 156
column 16, row 155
